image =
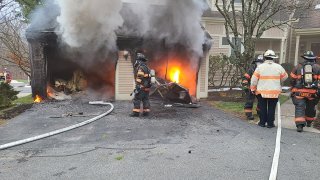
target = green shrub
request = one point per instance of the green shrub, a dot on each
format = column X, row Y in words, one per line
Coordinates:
column 7, row 95
column 224, row 71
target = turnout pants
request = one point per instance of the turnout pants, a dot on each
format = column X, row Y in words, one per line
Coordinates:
column 142, row 96
column 305, row 109
column 267, row 110
column 249, row 103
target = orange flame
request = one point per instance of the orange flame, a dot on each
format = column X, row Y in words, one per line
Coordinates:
column 179, row 70
column 50, row 91
column 174, row 75
column 37, row 99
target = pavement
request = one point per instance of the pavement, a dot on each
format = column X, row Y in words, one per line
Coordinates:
column 23, row 88
column 287, row 117
column 173, row 143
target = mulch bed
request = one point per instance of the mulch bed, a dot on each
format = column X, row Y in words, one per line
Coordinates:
column 227, row 96
column 14, row 111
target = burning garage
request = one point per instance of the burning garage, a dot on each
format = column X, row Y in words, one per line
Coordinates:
column 92, row 46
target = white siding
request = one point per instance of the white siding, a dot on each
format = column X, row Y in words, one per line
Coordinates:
column 216, row 29
column 273, row 33
column 124, row 78
column 217, row 49
column 202, row 85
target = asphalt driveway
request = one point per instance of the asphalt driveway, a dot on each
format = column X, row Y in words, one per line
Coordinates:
column 173, row 143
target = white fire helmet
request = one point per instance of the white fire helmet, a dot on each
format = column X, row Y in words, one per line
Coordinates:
column 260, row 58
column 270, row 54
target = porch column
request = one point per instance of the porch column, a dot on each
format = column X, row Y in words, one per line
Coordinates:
column 297, row 50
column 282, row 51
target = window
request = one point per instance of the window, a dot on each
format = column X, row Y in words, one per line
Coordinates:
column 237, row 1
column 224, row 41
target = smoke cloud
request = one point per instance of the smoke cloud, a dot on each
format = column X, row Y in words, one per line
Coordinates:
column 88, row 31
column 184, row 26
column 91, row 27
column 89, row 24
column 175, row 21
column 44, row 18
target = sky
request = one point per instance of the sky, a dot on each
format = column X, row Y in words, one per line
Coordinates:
column 9, row 8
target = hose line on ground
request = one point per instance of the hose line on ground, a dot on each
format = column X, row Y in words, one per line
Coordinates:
column 52, row 133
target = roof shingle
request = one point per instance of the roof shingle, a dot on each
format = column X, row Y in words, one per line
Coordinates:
column 310, row 19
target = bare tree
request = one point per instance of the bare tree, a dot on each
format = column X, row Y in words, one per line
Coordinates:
column 248, row 20
column 13, row 45
column 14, row 48
column 9, row 10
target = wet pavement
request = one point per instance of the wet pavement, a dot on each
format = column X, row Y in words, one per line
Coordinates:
column 287, row 117
column 173, row 143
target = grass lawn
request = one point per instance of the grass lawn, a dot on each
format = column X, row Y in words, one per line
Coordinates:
column 24, row 100
column 15, row 108
column 22, row 80
column 237, row 107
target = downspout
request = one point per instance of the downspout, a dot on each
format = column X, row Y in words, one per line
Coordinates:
column 291, row 30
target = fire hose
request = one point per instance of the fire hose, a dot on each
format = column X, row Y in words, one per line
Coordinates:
column 52, row 133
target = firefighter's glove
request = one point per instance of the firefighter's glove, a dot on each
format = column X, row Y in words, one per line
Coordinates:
column 135, row 91
column 245, row 84
column 245, row 88
column 138, row 87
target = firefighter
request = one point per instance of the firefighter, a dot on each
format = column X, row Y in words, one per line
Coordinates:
column 143, row 85
column 266, row 84
column 246, row 86
column 305, row 90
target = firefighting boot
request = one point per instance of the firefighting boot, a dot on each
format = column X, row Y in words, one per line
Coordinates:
column 249, row 116
column 271, row 126
column 300, row 128
column 134, row 114
column 309, row 123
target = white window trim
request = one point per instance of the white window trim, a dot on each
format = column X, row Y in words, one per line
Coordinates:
column 237, row 5
column 228, row 46
column 241, row 46
column 220, row 42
